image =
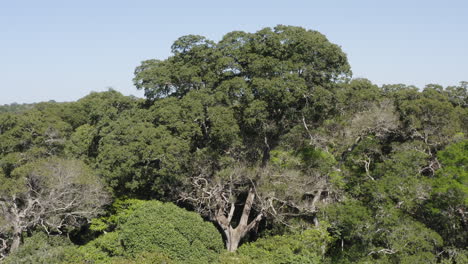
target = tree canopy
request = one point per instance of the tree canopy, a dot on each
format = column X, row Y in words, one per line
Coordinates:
column 274, row 152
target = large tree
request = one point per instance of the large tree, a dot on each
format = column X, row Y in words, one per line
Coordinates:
column 267, row 78
column 239, row 97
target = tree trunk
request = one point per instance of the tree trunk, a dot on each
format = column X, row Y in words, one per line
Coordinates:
column 17, row 230
column 234, row 235
column 16, row 242
column 234, row 239
column 266, row 156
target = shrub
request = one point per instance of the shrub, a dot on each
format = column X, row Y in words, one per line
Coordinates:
column 40, row 248
column 306, row 247
column 155, row 232
column 172, row 231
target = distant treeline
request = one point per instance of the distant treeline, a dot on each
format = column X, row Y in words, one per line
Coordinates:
column 15, row 107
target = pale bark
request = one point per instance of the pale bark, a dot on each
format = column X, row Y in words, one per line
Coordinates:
column 16, row 219
column 51, row 200
column 235, row 235
column 16, row 240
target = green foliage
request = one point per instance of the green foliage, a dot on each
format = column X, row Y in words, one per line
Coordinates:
column 262, row 79
column 400, row 181
column 199, row 118
column 42, row 249
column 164, row 228
column 119, row 212
column 33, row 133
column 80, row 142
column 357, row 95
column 291, row 52
column 274, row 111
column 104, row 249
column 349, row 220
column 15, row 108
column 100, row 108
column 446, row 210
column 382, row 236
column 137, row 158
column 316, row 158
column 54, row 194
column 12, row 183
column 430, row 116
column 155, row 228
column 306, row 247
column 454, row 171
column 410, row 240
column 285, row 159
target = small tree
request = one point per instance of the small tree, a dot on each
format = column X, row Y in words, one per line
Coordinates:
column 53, row 194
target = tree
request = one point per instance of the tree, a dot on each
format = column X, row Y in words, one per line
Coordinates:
column 350, row 221
column 34, row 133
column 136, row 158
column 358, row 95
column 428, row 116
column 217, row 197
column 266, row 77
column 458, row 95
column 53, row 194
column 239, row 197
column 98, row 109
column 243, row 93
column 446, row 210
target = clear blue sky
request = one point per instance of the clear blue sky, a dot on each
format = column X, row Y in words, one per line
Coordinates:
column 62, row 50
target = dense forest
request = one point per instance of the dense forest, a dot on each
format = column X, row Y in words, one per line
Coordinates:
column 259, row 148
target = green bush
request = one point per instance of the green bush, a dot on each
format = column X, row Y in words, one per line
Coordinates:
column 306, row 247
column 155, row 232
column 172, row 231
column 40, row 248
